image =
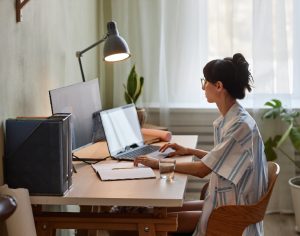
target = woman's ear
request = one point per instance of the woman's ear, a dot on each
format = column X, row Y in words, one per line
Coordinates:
column 219, row 85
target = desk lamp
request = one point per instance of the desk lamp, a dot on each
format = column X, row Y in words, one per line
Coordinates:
column 115, row 47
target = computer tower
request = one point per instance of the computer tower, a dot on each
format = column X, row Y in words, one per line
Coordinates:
column 38, row 154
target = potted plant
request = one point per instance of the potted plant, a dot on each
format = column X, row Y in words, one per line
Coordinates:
column 132, row 92
column 273, row 145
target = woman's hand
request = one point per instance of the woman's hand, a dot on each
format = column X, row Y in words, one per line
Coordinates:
column 147, row 161
column 178, row 150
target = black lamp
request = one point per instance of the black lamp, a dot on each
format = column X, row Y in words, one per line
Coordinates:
column 115, row 47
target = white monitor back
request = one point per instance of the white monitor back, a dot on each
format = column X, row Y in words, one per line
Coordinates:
column 82, row 100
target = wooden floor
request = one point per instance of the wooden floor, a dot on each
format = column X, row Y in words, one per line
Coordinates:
column 280, row 225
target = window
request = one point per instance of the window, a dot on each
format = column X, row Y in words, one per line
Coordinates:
column 172, row 40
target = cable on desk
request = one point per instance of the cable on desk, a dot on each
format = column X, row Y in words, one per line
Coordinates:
column 89, row 162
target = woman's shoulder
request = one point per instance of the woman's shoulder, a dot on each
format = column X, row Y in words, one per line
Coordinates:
column 240, row 118
column 243, row 118
column 240, row 125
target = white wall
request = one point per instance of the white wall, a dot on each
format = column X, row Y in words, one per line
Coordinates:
column 38, row 54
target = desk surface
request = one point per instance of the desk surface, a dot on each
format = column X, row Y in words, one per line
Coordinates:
column 88, row 189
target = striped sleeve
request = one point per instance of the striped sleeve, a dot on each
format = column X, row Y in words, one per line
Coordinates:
column 230, row 158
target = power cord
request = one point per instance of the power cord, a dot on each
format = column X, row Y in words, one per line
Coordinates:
column 89, row 162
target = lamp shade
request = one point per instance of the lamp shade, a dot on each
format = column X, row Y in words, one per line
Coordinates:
column 115, row 47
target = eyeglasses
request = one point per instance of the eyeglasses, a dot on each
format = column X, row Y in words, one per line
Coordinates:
column 203, row 82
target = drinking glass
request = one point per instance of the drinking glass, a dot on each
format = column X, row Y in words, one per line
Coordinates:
column 167, row 168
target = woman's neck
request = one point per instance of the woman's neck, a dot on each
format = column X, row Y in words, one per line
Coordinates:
column 225, row 104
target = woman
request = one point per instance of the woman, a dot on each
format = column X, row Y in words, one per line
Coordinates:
column 237, row 162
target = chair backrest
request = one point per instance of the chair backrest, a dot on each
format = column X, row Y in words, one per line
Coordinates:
column 7, row 206
column 231, row 220
column 22, row 217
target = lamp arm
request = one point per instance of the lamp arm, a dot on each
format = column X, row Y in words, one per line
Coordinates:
column 81, row 70
column 80, row 53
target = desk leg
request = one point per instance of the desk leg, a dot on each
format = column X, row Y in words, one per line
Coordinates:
column 82, row 232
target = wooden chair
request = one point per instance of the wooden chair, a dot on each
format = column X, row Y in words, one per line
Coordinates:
column 232, row 220
column 7, row 206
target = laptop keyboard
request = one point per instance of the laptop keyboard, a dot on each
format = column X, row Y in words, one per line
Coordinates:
column 138, row 152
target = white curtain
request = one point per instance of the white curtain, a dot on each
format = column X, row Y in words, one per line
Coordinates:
column 171, row 40
column 272, row 59
column 168, row 44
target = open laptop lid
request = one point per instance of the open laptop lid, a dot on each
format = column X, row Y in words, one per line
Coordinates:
column 122, row 129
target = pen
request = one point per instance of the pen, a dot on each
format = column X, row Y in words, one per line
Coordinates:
column 123, row 168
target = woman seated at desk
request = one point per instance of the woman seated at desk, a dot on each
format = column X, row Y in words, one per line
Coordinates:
column 237, row 162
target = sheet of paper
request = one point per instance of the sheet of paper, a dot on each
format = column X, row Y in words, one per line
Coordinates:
column 122, row 170
column 158, row 154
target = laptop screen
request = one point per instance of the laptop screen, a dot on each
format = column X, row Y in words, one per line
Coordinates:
column 122, row 129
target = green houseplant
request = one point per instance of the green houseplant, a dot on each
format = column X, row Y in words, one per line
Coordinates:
column 132, row 91
column 134, row 86
column 273, row 146
column 289, row 117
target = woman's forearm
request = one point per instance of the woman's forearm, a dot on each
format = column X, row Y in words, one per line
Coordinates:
column 196, row 152
column 197, row 169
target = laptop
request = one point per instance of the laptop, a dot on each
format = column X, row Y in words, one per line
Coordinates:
column 123, row 134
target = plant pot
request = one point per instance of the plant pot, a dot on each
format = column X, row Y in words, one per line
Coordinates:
column 142, row 115
column 295, row 190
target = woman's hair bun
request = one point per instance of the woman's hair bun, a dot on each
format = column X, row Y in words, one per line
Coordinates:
column 242, row 70
column 242, row 78
column 239, row 59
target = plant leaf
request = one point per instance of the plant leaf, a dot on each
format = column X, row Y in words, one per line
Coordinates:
column 274, row 103
column 132, row 82
column 295, row 114
column 140, row 88
column 284, row 136
column 270, row 114
column 270, row 144
column 295, row 137
column 270, row 104
column 277, row 102
column 134, row 86
column 287, row 117
column 127, row 97
column 275, row 109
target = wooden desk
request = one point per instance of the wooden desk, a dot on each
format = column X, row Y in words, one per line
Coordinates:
column 89, row 190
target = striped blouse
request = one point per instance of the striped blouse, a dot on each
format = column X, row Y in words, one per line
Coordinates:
column 239, row 168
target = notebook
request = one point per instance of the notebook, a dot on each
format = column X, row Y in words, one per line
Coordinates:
column 123, row 134
column 122, row 170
